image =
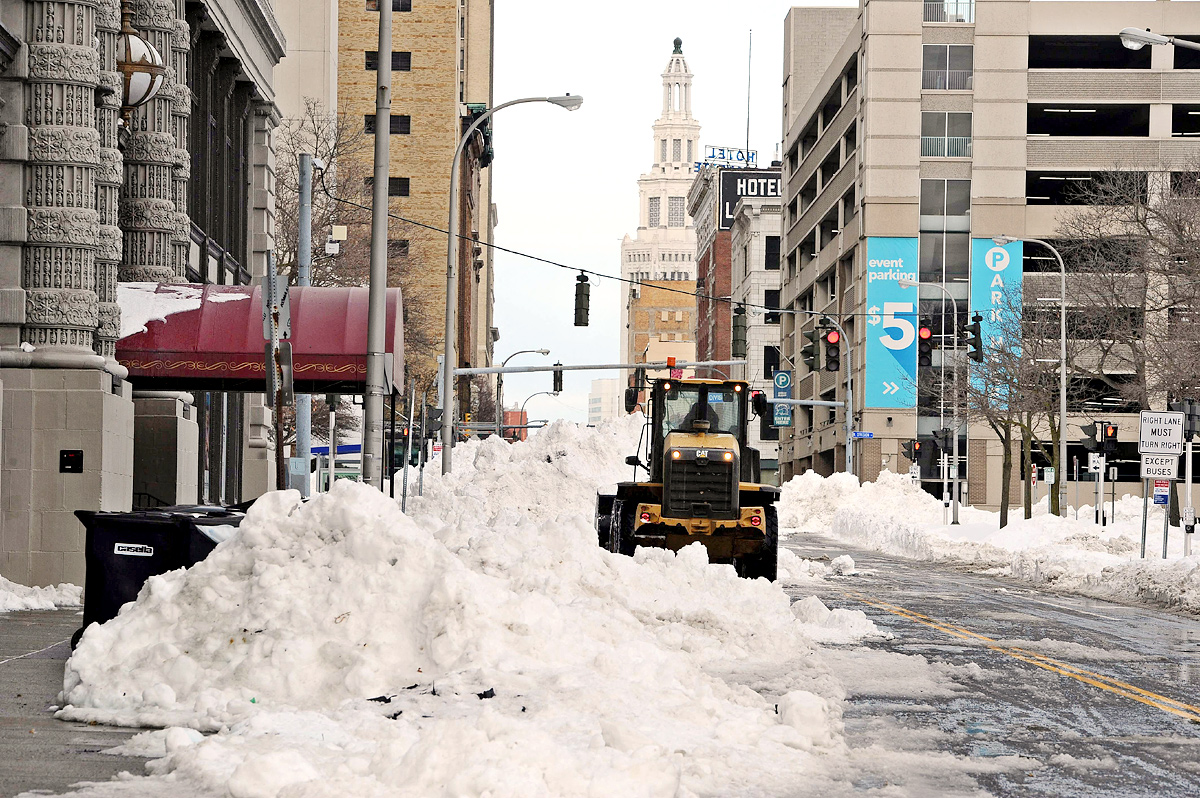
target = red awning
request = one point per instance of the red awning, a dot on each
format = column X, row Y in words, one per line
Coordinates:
column 219, row 345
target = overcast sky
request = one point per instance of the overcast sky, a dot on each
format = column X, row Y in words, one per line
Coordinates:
column 565, row 183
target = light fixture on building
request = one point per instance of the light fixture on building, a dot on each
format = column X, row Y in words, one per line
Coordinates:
column 140, row 64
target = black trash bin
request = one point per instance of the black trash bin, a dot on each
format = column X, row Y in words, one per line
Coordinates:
column 123, row 550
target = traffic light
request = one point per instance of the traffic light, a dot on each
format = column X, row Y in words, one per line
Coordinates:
column 924, row 345
column 912, row 450
column 558, row 378
column 974, row 333
column 944, row 439
column 467, row 417
column 1089, row 438
column 833, row 358
column 583, row 294
column 927, row 454
column 433, row 421
column 808, row 352
column 1110, row 438
column 738, row 342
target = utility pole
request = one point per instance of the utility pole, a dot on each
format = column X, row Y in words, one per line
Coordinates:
column 372, row 450
column 304, row 278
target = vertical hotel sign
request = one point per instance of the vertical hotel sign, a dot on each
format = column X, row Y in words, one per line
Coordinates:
column 996, row 274
column 891, row 357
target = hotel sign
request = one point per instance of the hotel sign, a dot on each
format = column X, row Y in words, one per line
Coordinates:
column 739, row 183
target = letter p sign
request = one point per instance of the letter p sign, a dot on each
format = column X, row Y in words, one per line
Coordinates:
column 996, row 259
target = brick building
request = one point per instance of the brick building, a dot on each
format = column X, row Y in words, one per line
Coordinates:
column 441, row 75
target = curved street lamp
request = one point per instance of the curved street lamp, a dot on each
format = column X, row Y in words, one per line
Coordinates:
column 527, row 398
column 1136, row 39
column 500, row 387
column 569, row 101
column 1062, row 333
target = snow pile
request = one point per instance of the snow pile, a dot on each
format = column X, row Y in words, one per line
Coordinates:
column 482, row 645
column 894, row 516
column 142, row 303
column 20, row 597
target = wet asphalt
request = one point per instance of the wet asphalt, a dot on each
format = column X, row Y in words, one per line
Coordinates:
column 38, row 752
column 1120, row 717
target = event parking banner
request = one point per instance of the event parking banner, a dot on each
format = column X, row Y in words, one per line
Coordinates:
column 891, row 357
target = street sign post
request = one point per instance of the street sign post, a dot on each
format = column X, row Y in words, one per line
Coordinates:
column 781, row 385
column 1160, row 466
column 862, row 434
column 1095, row 462
column 1161, row 433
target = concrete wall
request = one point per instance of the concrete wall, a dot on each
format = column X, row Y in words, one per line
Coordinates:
column 166, row 441
column 310, row 67
column 46, row 411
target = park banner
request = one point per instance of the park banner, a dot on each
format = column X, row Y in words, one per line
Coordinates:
column 996, row 276
column 891, row 357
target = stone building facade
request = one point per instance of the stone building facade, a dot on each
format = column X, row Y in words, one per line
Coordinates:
column 663, row 249
column 89, row 198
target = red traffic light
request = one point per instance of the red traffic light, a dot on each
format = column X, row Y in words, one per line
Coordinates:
column 832, row 337
column 1110, row 431
column 925, row 333
column 916, row 446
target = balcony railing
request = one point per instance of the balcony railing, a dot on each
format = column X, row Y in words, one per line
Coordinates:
column 950, row 11
column 948, row 79
column 945, row 146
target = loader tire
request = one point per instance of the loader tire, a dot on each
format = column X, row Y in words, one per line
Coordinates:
column 621, row 536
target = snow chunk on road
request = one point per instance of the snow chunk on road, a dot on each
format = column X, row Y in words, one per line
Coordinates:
column 21, row 597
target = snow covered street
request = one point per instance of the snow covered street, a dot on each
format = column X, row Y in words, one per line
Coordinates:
column 484, row 645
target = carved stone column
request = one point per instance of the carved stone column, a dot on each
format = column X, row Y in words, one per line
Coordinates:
column 181, row 111
column 58, row 261
column 108, row 180
column 147, row 199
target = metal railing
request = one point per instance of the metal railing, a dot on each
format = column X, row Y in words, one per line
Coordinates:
column 948, row 79
column 950, row 11
column 945, row 146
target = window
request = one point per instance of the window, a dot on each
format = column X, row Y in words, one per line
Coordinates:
column 676, row 150
column 772, row 254
column 653, row 212
column 662, row 156
column 675, row 211
column 401, row 62
column 679, row 315
column 397, row 5
column 945, row 238
column 947, row 66
column 1085, row 52
column 950, row 11
column 397, row 248
column 945, row 135
column 771, row 300
column 1092, row 119
column 1084, row 188
column 689, row 151
column 400, row 124
column 397, row 186
column 664, row 315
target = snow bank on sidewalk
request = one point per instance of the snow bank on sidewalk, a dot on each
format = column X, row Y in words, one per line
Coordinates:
column 894, row 516
column 481, row 645
column 20, row 597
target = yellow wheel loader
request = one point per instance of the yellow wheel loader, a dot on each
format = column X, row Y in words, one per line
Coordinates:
column 704, row 480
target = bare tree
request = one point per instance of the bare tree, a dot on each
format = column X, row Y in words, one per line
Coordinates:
column 1132, row 246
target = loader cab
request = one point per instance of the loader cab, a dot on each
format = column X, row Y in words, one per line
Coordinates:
column 696, row 407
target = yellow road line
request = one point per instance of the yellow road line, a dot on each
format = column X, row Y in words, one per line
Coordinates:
column 1101, row 681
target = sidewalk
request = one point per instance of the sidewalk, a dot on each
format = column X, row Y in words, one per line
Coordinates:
column 39, row 752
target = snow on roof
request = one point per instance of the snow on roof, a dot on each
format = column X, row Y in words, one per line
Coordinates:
column 142, row 303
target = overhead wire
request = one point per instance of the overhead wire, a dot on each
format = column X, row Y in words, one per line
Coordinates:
column 728, row 300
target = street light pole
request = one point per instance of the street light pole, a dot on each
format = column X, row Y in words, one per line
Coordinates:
column 954, row 417
column 500, row 387
column 570, row 102
column 1061, row 475
column 372, row 450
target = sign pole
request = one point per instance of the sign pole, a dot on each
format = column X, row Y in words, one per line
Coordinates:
column 1075, row 463
column 1166, row 525
column 1100, row 492
column 412, row 401
column 1189, row 511
column 1145, row 512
